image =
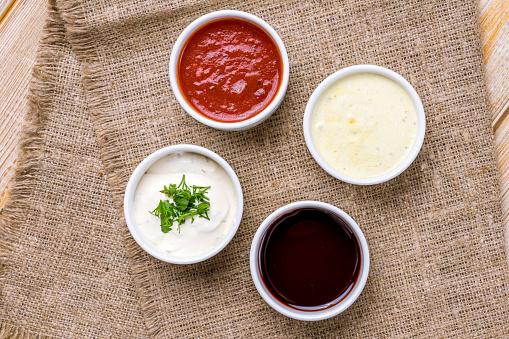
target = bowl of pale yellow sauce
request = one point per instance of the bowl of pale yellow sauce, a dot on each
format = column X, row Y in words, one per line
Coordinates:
column 364, row 124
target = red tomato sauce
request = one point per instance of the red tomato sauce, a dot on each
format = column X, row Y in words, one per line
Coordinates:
column 229, row 70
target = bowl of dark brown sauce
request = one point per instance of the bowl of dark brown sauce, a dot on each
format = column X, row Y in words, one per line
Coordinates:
column 309, row 260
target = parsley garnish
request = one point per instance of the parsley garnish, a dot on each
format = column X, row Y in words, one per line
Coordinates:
column 186, row 203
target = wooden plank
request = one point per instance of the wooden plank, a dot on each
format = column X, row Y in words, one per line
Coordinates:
column 494, row 23
column 20, row 31
column 5, row 7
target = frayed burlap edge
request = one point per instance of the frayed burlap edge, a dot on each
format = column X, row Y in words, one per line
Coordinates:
column 83, row 44
column 31, row 154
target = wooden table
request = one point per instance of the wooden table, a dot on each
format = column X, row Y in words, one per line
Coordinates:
column 21, row 23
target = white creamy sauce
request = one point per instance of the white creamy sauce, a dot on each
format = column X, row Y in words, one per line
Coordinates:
column 201, row 235
column 364, row 125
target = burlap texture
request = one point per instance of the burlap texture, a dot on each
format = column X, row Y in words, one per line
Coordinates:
column 438, row 266
column 64, row 270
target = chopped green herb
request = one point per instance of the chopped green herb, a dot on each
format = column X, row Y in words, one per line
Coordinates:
column 187, row 202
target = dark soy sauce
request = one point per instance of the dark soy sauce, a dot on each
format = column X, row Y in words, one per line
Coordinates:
column 309, row 259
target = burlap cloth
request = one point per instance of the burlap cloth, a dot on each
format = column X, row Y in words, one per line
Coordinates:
column 101, row 102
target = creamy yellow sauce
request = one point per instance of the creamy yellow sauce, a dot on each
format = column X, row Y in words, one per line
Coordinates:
column 201, row 235
column 364, row 125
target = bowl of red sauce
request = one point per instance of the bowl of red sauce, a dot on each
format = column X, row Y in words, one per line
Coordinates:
column 229, row 70
column 309, row 260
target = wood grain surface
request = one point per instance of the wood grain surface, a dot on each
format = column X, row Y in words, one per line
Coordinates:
column 494, row 23
column 21, row 23
column 20, row 31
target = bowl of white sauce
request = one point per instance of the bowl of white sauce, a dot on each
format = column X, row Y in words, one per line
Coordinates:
column 200, row 181
column 364, row 124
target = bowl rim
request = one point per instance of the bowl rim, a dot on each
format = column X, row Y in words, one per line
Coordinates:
column 182, row 39
column 131, row 190
column 421, row 121
column 299, row 314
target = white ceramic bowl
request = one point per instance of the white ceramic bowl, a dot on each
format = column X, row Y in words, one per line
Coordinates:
column 421, row 122
column 129, row 204
column 292, row 312
column 175, row 55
